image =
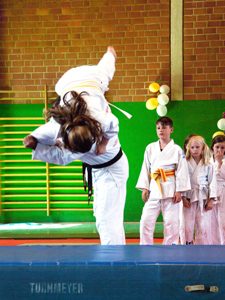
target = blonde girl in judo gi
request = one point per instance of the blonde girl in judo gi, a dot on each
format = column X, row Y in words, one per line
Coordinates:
column 218, row 212
column 198, row 202
column 88, row 131
column 162, row 180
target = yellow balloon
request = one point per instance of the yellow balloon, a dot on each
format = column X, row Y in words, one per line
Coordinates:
column 154, row 87
column 152, row 103
column 218, row 133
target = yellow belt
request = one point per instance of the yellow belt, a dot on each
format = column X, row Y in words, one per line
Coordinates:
column 161, row 174
column 83, row 84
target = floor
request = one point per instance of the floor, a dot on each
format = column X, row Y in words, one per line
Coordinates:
column 70, row 241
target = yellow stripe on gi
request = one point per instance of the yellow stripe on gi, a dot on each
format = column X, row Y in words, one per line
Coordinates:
column 161, row 174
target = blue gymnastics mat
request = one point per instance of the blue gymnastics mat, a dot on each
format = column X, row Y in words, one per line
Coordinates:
column 112, row 272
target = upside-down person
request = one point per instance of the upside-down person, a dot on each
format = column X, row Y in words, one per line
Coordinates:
column 88, row 131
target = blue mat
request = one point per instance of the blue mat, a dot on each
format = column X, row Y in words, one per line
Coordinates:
column 111, row 272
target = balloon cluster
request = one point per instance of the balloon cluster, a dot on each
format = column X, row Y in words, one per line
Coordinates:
column 221, row 126
column 160, row 98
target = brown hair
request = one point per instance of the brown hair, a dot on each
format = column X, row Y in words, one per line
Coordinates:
column 165, row 121
column 72, row 107
column 218, row 139
column 79, row 130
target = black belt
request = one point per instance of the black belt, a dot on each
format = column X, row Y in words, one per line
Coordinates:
column 89, row 168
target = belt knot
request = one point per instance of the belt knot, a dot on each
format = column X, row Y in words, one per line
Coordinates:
column 161, row 174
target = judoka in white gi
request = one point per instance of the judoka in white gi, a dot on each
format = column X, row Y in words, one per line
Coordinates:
column 199, row 201
column 163, row 178
column 93, row 80
column 109, row 181
column 218, row 211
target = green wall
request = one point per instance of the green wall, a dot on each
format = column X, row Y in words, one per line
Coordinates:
column 189, row 117
column 198, row 117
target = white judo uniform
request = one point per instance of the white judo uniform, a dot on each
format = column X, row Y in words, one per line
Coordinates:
column 197, row 219
column 110, row 182
column 91, row 79
column 171, row 160
column 109, row 186
column 218, row 212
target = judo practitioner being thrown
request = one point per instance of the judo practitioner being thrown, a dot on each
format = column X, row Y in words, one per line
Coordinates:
column 88, row 131
column 163, row 177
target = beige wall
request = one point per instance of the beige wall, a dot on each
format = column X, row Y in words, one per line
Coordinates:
column 42, row 39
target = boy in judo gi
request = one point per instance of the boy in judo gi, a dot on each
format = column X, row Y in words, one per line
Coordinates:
column 163, row 178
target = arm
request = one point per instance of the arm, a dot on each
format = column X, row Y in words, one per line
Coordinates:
column 112, row 50
column 107, row 67
column 219, row 158
column 212, row 188
column 221, row 170
column 209, row 204
column 145, row 195
column 186, row 202
column 101, row 147
column 46, row 134
column 182, row 174
column 177, row 197
column 143, row 182
column 219, row 166
column 30, row 142
column 54, row 154
column 182, row 180
column 110, row 125
column 212, row 182
column 102, row 73
column 212, row 194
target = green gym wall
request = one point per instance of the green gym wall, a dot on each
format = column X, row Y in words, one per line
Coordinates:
column 23, row 197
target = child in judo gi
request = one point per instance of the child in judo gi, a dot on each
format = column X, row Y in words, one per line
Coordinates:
column 198, row 202
column 163, row 178
column 89, row 132
column 218, row 211
column 83, row 115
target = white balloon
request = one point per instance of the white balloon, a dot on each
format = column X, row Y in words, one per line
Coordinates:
column 163, row 99
column 161, row 110
column 221, row 124
column 164, row 89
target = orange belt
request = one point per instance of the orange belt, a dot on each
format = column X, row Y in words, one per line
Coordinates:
column 161, row 174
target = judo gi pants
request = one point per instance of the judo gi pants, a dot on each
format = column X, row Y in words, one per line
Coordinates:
column 109, row 200
column 150, row 213
column 218, row 222
column 197, row 224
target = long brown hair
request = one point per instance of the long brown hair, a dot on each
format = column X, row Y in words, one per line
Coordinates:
column 79, row 130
